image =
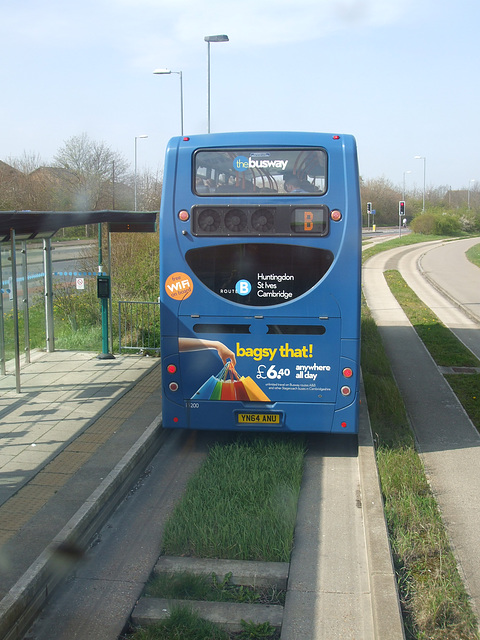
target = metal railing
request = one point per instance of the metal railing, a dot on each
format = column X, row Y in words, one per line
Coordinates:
column 139, row 326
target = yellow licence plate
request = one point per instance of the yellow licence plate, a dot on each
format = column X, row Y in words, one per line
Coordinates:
column 259, row 418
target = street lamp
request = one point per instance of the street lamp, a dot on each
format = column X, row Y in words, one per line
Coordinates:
column 424, row 172
column 168, row 72
column 404, row 174
column 135, row 171
column 468, row 194
column 208, row 40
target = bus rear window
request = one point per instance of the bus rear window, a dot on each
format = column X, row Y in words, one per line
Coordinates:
column 260, row 172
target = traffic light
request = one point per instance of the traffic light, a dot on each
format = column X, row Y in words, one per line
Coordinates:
column 401, row 208
column 369, row 208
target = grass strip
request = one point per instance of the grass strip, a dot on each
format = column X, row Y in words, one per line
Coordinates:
column 242, row 503
column 401, row 241
column 185, row 624
column 444, row 347
column 186, row 586
column 434, row 602
column 182, row 624
column 473, row 254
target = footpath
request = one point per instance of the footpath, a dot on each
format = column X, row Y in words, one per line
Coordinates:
column 447, row 440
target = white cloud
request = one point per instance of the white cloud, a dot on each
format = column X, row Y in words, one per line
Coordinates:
column 151, row 28
column 266, row 21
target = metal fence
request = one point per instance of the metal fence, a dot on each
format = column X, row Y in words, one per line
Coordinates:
column 139, row 326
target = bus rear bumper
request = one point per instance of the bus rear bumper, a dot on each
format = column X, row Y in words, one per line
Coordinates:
column 258, row 416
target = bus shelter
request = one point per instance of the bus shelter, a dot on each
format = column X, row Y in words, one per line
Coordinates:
column 21, row 226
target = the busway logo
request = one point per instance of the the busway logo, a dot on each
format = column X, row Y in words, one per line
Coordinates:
column 242, row 163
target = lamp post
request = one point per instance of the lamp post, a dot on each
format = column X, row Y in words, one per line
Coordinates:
column 135, row 171
column 404, row 174
column 424, row 173
column 168, row 72
column 468, row 193
column 208, row 40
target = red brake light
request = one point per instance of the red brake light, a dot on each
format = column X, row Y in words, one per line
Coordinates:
column 347, row 372
column 171, row 368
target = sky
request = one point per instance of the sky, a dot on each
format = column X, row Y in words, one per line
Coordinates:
column 400, row 75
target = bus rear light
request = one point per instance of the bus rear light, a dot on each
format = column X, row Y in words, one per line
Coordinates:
column 183, row 215
column 345, row 391
column 336, row 215
column 173, row 386
column 343, row 425
column 171, row 368
column 347, row 372
column 336, row 137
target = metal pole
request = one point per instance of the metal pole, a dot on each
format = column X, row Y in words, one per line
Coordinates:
column 109, row 247
column 208, row 86
column 113, row 185
column 15, row 309
column 424, row 178
column 168, row 72
column 135, row 175
column 26, row 314
column 208, row 39
column 48, row 288
column 2, row 324
column 99, row 227
column 135, row 172
column 181, row 103
column 105, row 355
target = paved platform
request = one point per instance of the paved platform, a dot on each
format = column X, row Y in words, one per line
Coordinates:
column 75, row 418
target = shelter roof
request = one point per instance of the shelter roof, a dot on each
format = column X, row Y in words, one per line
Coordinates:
column 44, row 224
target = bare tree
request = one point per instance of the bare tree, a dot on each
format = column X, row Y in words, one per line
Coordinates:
column 90, row 168
column 17, row 191
column 149, row 188
column 384, row 197
column 27, row 163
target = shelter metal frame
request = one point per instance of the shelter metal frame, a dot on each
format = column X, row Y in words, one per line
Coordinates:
column 29, row 225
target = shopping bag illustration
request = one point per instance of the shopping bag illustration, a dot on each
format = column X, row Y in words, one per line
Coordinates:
column 212, row 388
column 206, row 389
column 228, row 390
column 253, row 390
column 240, row 391
column 217, row 391
column 243, row 389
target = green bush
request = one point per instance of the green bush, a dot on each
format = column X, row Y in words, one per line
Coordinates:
column 447, row 225
column 424, row 224
column 469, row 221
column 433, row 223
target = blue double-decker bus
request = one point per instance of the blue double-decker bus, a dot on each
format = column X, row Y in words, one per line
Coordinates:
column 260, row 246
